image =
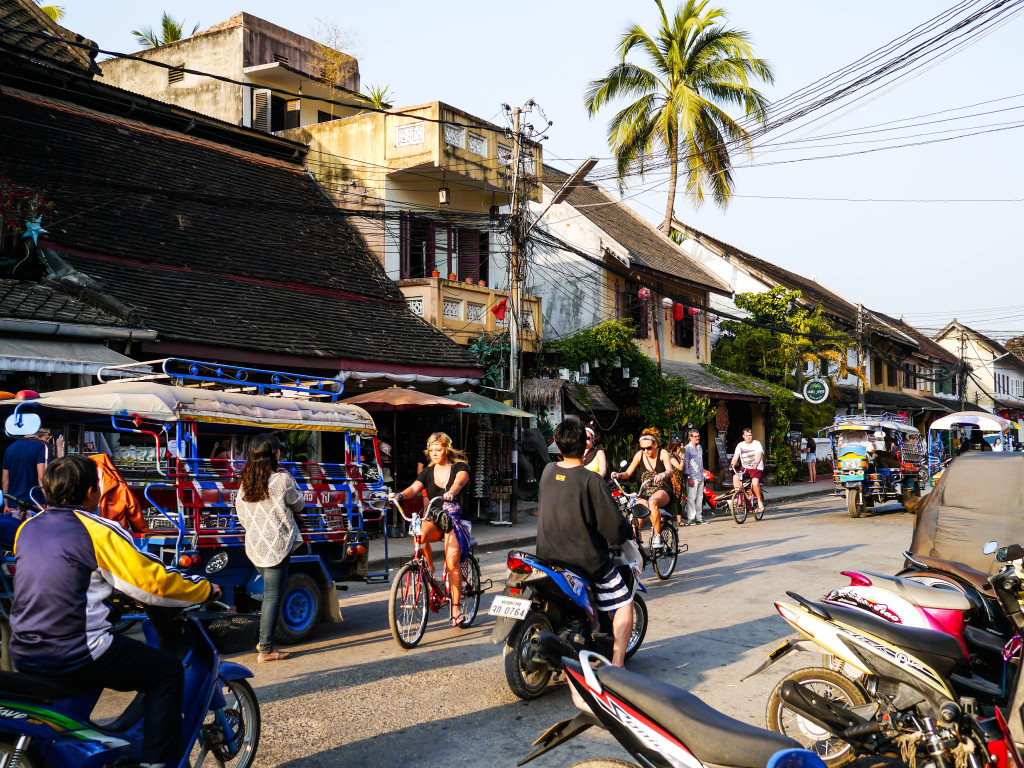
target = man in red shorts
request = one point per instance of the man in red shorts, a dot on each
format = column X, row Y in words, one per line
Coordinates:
column 750, row 455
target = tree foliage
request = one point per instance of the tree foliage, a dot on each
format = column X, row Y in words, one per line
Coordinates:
column 694, row 68
column 170, row 32
column 331, row 64
column 1016, row 346
column 663, row 403
column 795, row 336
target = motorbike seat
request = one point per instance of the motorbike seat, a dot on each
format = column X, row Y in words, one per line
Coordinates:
column 713, row 738
column 941, row 651
column 35, row 688
column 922, row 596
column 976, row 579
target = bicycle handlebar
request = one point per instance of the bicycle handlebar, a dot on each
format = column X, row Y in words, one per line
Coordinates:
column 395, row 500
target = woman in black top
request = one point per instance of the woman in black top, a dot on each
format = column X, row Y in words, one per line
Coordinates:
column 446, row 475
column 657, row 469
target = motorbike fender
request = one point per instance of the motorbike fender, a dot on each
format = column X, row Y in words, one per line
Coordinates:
column 782, row 651
column 559, row 733
column 502, row 629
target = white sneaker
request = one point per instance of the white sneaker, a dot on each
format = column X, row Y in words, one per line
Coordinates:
column 656, row 540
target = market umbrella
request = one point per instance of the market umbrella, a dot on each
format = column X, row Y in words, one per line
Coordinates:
column 480, row 404
column 986, row 422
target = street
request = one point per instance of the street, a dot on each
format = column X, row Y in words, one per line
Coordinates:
column 352, row 697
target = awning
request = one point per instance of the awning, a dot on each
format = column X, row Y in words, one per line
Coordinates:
column 589, row 398
column 49, row 356
column 481, row 404
column 702, row 381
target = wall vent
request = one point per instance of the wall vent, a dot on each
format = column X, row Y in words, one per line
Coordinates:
column 280, row 59
column 176, row 74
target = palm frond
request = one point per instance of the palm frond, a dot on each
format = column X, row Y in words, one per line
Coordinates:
column 55, row 12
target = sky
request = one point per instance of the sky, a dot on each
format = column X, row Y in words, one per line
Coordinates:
column 926, row 261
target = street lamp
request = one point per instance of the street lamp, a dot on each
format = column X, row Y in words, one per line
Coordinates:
column 570, row 184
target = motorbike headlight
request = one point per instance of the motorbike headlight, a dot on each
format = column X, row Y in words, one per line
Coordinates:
column 217, row 563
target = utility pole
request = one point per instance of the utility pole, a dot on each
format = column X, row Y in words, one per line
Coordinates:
column 861, row 359
column 962, row 374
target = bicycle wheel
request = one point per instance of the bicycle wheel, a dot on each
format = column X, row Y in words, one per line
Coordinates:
column 738, row 507
column 758, row 513
column 470, row 590
column 407, row 606
column 665, row 556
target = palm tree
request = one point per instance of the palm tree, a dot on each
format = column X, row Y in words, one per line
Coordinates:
column 170, row 31
column 55, row 12
column 697, row 66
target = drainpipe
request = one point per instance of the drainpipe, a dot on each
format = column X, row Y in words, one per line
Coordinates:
column 74, row 330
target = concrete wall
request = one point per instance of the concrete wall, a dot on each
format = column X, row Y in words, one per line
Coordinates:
column 218, row 53
column 262, row 40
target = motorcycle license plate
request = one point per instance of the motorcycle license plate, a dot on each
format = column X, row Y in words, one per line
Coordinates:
column 510, row 607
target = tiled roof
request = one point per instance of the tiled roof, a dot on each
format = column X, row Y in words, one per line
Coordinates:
column 928, row 346
column 812, row 291
column 212, row 245
column 703, row 381
column 24, row 300
column 647, row 246
column 39, row 36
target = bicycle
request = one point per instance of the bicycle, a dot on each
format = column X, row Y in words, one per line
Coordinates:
column 416, row 592
column 663, row 558
column 743, row 501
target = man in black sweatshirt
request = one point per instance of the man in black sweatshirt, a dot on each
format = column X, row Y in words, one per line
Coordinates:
column 577, row 520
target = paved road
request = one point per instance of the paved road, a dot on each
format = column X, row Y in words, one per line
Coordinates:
column 353, row 698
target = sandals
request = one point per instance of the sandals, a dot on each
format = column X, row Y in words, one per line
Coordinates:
column 262, row 657
column 461, row 620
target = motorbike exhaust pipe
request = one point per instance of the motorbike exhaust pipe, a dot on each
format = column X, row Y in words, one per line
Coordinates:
column 552, row 648
column 821, row 711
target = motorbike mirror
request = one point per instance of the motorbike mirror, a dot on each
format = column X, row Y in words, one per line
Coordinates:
column 1010, row 553
column 20, row 424
column 623, row 464
column 991, row 547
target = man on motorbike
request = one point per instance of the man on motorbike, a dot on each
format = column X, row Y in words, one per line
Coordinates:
column 68, row 562
column 577, row 520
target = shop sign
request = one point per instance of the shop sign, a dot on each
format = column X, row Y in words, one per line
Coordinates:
column 816, row 391
column 721, row 418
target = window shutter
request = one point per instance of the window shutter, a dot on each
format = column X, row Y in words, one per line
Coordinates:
column 404, row 245
column 469, row 254
column 431, row 264
column 261, row 109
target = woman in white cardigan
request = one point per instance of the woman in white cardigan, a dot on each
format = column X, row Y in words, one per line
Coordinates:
column 268, row 501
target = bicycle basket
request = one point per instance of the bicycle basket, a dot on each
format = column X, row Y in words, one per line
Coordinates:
column 231, row 632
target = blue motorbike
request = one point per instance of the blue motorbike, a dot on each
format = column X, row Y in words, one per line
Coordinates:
column 546, row 612
column 44, row 723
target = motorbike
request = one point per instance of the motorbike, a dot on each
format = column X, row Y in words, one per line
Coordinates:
column 547, row 612
column 936, row 572
column 44, row 722
column 896, row 696
column 661, row 725
column 911, row 604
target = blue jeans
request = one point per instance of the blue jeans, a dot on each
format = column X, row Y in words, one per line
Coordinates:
column 274, row 579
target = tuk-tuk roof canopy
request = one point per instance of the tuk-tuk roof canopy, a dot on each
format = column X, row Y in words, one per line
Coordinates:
column 163, row 403
column 986, row 422
column 863, row 424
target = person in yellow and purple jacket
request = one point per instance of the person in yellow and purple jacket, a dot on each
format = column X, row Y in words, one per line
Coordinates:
column 68, row 563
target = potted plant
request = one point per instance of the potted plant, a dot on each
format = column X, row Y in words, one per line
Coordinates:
column 436, row 273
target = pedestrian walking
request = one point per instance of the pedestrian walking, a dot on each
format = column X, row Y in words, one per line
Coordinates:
column 268, row 501
column 693, row 466
column 811, row 457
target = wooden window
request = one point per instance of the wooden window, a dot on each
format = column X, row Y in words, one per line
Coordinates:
column 416, row 246
column 261, row 109
column 910, row 377
column 636, row 311
column 876, row 373
column 891, row 377
column 292, row 113
column 323, row 117
column 824, row 368
column 682, row 331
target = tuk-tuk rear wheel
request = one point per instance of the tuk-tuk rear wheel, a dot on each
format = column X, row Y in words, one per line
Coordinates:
column 300, row 609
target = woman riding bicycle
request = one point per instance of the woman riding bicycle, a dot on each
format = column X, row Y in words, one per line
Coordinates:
column 446, row 475
column 658, row 465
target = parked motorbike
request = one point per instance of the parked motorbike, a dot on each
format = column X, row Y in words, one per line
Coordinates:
column 911, row 604
column 661, row 725
column 43, row 722
column 896, row 697
column 947, row 574
column 547, row 612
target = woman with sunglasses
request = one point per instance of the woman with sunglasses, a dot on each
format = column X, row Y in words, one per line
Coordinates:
column 594, row 459
column 658, row 466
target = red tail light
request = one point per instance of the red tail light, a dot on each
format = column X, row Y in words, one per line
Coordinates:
column 518, row 565
column 857, row 579
column 708, row 475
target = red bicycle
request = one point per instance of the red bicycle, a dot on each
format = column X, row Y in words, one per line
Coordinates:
column 416, row 593
column 744, row 500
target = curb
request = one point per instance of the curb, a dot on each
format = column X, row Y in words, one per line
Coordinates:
column 806, row 495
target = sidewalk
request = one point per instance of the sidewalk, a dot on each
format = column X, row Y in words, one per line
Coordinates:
column 496, row 538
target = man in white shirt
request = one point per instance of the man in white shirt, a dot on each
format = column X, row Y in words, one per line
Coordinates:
column 750, row 455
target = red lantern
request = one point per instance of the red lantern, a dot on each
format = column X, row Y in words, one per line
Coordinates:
column 693, row 310
column 644, row 294
column 677, row 311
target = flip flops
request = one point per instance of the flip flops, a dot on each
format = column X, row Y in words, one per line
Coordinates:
column 262, row 658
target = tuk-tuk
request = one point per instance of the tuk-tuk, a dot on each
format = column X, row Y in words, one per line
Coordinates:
column 963, row 432
column 874, row 459
column 157, row 422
